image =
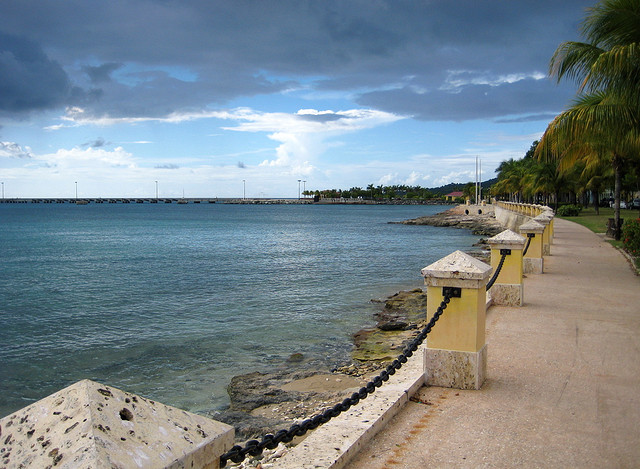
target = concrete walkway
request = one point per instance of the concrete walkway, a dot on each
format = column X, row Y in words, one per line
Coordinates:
column 563, row 386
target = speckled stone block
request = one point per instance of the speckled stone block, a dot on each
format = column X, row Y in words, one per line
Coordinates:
column 454, row 369
column 507, row 295
column 533, row 265
column 92, row 425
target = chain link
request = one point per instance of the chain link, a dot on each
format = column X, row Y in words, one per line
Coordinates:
column 237, row 453
column 497, row 272
column 524, row 253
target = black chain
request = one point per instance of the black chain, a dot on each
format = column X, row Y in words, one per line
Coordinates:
column 497, row 272
column 524, row 253
column 270, row 441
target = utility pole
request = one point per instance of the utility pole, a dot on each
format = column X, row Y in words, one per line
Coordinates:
column 476, row 199
column 480, row 183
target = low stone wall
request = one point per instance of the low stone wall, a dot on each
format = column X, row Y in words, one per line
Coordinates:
column 510, row 219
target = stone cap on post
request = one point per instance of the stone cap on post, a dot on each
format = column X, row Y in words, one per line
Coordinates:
column 507, row 240
column 532, row 226
column 458, row 269
column 89, row 424
column 543, row 219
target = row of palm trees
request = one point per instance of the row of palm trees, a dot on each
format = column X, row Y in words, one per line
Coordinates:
column 544, row 180
column 600, row 131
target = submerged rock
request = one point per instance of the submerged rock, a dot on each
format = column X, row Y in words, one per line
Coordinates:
column 267, row 402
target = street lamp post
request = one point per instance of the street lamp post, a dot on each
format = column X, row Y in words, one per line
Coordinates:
column 299, row 181
column 156, row 190
column 304, row 188
column 76, row 190
column 244, row 189
column 3, row 191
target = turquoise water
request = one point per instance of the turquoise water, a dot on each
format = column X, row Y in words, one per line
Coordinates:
column 170, row 301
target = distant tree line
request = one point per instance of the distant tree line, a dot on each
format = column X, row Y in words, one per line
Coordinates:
column 538, row 180
column 394, row 192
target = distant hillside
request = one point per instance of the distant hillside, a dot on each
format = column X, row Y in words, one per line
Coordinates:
column 458, row 186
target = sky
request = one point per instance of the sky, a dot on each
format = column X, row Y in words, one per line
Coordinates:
column 232, row 98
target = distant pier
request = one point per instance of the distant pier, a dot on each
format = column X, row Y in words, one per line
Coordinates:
column 109, row 200
column 152, row 200
column 213, row 200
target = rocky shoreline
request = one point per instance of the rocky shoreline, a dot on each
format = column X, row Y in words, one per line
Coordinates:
column 480, row 219
column 267, row 402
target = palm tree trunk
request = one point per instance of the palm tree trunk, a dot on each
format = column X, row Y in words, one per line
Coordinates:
column 596, row 201
column 616, row 194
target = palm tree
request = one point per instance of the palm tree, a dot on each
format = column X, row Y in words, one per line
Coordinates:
column 550, row 179
column 514, row 178
column 595, row 175
column 606, row 114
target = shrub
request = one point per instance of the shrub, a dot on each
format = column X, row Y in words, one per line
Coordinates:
column 569, row 210
column 631, row 236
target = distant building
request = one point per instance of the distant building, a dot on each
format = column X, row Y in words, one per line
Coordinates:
column 453, row 195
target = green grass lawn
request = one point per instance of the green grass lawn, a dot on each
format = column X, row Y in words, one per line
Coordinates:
column 596, row 223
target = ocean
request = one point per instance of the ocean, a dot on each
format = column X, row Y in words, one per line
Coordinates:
column 171, row 301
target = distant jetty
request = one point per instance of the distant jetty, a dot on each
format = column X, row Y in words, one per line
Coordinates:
column 214, row 200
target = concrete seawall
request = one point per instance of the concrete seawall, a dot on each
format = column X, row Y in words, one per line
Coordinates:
column 510, row 219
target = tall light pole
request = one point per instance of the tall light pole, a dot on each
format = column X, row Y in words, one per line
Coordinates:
column 304, row 188
column 156, row 190
column 76, row 190
column 299, row 181
column 244, row 189
column 3, row 191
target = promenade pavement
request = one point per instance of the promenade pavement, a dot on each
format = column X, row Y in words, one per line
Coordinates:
column 563, row 377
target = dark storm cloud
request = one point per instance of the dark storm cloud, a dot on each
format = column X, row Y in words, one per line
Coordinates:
column 29, row 79
column 101, row 73
column 323, row 117
column 97, row 143
column 471, row 101
column 188, row 55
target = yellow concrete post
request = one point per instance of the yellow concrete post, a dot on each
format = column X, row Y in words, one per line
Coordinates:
column 533, row 260
column 549, row 213
column 545, row 220
column 508, row 288
column 456, row 352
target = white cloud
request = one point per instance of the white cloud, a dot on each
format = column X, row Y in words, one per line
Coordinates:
column 456, row 79
column 13, row 150
column 89, row 158
column 388, row 179
column 414, row 179
column 456, row 176
column 304, row 135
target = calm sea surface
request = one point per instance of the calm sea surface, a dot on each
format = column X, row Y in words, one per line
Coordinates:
column 171, row 301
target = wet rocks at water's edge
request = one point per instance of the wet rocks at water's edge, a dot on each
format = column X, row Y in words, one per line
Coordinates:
column 267, row 402
column 466, row 217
